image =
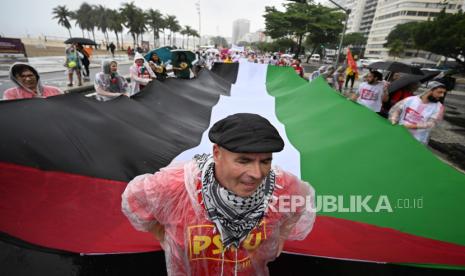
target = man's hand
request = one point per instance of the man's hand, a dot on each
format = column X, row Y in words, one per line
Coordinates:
column 410, row 126
column 280, row 247
column 353, row 97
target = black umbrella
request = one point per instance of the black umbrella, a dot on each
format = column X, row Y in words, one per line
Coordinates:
column 409, row 79
column 394, row 66
column 80, row 40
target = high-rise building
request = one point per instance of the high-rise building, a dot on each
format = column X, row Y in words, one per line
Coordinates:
column 361, row 15
column 240, row 28
column 389, row 13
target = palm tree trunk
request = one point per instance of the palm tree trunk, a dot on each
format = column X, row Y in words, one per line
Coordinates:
column 82, row 32
column 164, row 37
column 299, row 46
column 69, row 31
column 122, row 43
column 117, row 40
column 134, row 39
column 187, row 43
column 93, row 35
column 154, row 40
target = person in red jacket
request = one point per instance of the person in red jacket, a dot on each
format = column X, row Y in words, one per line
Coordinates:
column 298, row 68
column 220, row 213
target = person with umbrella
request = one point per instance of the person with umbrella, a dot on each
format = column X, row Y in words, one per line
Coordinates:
column 182, row 66
column 157, row 65
column 85, row 61
column 419, row 114
column 398, row 96
column 73, row 63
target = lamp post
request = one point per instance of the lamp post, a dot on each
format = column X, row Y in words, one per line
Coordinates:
column 197, row 5
column 347, row 11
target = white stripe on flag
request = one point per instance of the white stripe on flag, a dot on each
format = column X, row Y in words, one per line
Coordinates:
column 249, row 95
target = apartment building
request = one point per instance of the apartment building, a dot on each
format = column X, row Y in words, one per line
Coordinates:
column 389, row 13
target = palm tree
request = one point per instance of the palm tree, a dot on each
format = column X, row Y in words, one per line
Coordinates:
column 194, row 33
column 92, row 20
column 129, row 13
column 73, row 16
column 186, row 31
column 164, row 26
column 139, row 24
column 116, row 25
column 81, row 16
column 156, row 23
column 103, row 20
column 134, row 20
column 173, row 25
column 183, row 33
column 62, row 14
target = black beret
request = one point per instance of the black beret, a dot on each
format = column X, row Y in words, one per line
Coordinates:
column 246, row 133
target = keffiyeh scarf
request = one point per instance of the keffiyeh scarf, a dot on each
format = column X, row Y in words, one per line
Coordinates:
column 234, row 216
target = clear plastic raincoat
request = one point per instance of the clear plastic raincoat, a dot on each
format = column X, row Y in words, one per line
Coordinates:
column 20, row 91
column 191, row 242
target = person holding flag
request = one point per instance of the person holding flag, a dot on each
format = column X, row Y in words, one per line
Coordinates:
column 351, row 71
column 214, row 214
column 141, row 74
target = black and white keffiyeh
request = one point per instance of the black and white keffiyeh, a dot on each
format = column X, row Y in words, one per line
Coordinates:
column 234, row 216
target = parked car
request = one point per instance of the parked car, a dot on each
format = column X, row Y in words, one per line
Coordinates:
column 328, row 60
column 363, row 63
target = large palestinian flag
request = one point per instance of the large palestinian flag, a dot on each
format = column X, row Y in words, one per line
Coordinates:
column 382, row 196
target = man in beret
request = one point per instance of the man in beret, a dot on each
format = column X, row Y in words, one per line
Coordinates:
column 420, row 114
column 224, row 213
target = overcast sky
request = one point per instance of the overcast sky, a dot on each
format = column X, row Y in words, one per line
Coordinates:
column 34, row 17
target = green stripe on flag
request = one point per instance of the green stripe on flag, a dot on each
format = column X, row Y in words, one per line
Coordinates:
column 348, row 150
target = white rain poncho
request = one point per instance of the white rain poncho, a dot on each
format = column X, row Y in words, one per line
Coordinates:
column 172, row 198
column 140, row 75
